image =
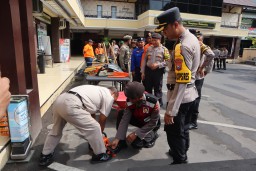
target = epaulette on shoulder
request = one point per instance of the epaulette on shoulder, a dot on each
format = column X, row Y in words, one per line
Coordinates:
column 204, row 48
column 151, row 98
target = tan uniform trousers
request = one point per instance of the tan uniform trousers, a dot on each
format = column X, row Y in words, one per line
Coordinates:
column 68, row 108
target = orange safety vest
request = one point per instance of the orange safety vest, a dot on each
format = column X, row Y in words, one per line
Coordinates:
column 99, row 51
column 88, row 51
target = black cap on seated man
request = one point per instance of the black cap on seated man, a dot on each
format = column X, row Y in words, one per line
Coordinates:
column 167, row 17
column 134, row 90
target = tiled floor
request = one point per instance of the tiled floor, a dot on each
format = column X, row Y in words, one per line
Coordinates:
column 55, row 79
column 50, row 84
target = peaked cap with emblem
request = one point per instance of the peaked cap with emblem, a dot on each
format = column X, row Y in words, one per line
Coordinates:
column 169, row 16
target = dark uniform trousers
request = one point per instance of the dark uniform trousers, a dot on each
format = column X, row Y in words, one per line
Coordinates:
column 223, row 62
column 195, row 107
column 178, row 133
column 154, row 80
column 216, row 62
column 138, row 142
column 137, row 75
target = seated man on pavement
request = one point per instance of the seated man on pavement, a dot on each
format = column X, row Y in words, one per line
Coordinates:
column 142, row 111
column 78, row 107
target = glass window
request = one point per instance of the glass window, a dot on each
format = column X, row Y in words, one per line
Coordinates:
column 194, row 9
column 156, row 4
column 206, row 2
column 205, row 10
column 217, row 3
column 194, row 1
column 99, row 11
column 183, row 7
column 216, row 11
column 185, row 1
column 113, row 11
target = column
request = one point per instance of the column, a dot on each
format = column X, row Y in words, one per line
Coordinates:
column 55, row 36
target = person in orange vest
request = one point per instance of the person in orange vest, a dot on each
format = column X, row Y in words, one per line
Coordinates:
column 100, row 53
column 88, row 53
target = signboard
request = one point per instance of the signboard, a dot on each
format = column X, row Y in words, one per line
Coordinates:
column 18, row 119
column 198, row 24
column 64, row 50
column 252, row 31
column 194, row 24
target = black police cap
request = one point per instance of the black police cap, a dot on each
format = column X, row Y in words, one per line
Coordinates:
column 140, row 39
column 134, row 90
column 169, row 16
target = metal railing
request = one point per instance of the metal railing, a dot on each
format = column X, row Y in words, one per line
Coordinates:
column 109, row 14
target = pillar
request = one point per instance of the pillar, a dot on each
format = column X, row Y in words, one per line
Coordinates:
column 18, row 56
column 55, row 35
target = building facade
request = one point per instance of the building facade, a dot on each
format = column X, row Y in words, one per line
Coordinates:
column 218, row 20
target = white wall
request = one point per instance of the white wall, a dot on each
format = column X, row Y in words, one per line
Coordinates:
column 124, row 10
column 229, row 19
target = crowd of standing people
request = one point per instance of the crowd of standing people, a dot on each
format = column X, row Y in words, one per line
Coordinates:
column 146, row 59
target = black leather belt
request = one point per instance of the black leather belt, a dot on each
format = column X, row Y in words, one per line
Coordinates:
column 77, row 95
column 171, row 86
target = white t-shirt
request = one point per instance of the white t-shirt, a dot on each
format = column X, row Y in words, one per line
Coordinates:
column 95, row 98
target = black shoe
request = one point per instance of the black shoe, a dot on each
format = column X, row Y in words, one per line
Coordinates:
column 179, row 162
column 137, row 143
column 193, row 126
column 170, row 152
column 103, row 157
column 151, row 143
column 45, row 160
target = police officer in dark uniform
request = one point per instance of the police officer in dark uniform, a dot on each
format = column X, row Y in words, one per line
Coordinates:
column 186, row 57
column 136, row 60
column 143, row 112
column 153, row 66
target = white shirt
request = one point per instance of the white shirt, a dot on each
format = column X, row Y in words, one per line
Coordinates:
column 95, row 98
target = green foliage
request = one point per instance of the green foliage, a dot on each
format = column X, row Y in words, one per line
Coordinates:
column 106, row 40
column 253, row 39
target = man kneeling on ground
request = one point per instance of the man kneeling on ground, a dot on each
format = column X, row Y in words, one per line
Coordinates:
column 78, row 107
column 142, row 111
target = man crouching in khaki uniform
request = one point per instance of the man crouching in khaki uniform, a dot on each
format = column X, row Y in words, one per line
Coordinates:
column 78, row 107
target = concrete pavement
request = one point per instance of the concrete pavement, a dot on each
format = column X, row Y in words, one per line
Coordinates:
column 226, row 131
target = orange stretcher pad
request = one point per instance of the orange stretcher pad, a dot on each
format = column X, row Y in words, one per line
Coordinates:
column 118, row 75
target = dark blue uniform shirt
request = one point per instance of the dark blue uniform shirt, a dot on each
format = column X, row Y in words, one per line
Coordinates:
column 136, row 58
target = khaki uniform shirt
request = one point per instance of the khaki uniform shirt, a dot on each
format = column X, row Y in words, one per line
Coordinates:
column 157, row 55
column 95, row 98
column 124, row 56
column 190, row 49
column 206, row 60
